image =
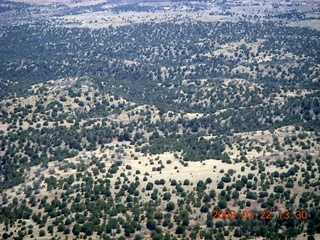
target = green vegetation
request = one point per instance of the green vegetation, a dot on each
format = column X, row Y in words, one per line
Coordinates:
column 144, row 130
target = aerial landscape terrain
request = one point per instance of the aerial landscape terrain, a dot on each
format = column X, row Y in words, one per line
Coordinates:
column 144, row 119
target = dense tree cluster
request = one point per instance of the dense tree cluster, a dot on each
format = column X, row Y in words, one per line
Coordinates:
column 156, row 88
